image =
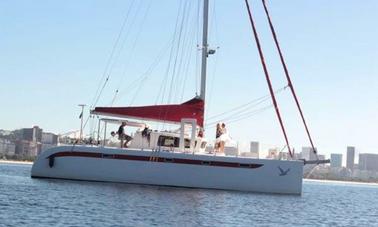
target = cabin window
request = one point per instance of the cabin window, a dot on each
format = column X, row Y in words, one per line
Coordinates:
column 187, row 143
column 203, row 145
column 170, row 141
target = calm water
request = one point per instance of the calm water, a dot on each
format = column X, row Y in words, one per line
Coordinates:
column 35, row 202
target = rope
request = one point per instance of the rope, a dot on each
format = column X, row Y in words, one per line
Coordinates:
column 197, row 68
column 139, row 82
column 185, row 57
column 105, row 73
column 267, row 76
column 243, row 116
column 134, row 44
column 127, row 35
column 249, row 115
column 175, row 64
column 164, row 85
column 190, row 45
column 247, row 105
column 290, row 84
column 239, row 112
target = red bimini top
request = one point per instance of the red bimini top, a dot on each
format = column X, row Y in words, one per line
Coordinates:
column 193, row 108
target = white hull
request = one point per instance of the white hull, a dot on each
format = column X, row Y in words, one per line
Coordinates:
column 170, row 169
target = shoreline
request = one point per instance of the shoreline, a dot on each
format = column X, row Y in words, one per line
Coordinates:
column 16, row 162
column 340, row 182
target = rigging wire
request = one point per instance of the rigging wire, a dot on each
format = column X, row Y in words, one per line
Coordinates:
column 191, row 37
column 242, row 117
column 127, row 35
column 290, row 84
column 164, row 84
column 114, row 98
column 122, row 45
column 180, row 57
column 115, row 54
column 133, row 47
column 242, row 112
column 267, row 75
column 177, row 53
column 105, row 73
column 251, row 114
column 247, row 105
column 186, row 74
column 239, row 112
column 111, row 61
column 197, row 68
column 183, row 55
column 139, row 82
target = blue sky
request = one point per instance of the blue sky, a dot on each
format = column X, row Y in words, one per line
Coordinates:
column 53, row 55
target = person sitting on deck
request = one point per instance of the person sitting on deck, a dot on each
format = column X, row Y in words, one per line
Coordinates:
column 146, row 133
column 113, row 141
column 122, row 136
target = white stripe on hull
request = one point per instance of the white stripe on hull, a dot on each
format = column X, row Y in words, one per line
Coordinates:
column 273, row 176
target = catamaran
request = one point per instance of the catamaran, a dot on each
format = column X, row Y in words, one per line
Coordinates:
column 177, row 158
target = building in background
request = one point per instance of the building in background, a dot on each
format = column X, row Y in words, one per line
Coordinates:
column 28, row 148
column 350, row 157
column 28, row 141
column 308, row 153
column 283, row 155
column 272, row 153
column 254, row 149
column 368, row 162
column 7, row 147
column 336, row 160
column 49, row 138
column 232, row 151
column 31, row 134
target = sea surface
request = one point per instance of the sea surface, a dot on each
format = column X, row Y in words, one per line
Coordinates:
column 38, row 202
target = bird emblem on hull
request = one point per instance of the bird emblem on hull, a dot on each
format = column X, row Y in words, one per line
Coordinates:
column 283, row 172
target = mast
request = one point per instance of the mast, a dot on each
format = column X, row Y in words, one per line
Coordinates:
column 204, row 48
column 81, row 120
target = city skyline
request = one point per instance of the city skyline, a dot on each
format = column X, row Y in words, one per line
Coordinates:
column 251, row 149
column 27, row 143
column 52, row 62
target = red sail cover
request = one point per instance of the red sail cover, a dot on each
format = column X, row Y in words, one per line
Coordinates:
column 193, row 108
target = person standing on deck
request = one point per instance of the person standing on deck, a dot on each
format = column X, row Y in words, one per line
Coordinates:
column 224, row 137
column 218, row 133
column 200, row 133
column 122, row 135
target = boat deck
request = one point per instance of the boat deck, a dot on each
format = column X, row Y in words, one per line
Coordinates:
column 164, row 150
